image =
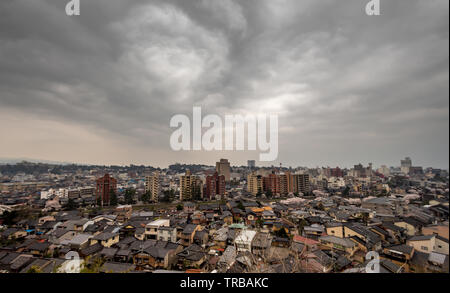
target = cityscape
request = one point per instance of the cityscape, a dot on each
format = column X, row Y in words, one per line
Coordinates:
column 223, row 218
column 224, row 144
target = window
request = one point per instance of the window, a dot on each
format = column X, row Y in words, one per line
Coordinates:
column 424, row 248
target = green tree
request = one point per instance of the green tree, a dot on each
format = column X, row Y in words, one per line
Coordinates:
column 146, row 197
column 10, row 218
column 197, row 193
column 269, row 193
column 346, row 191
column 168, row 195
column 93, row 266
column 259, row 223
column 113, row 201
column 71, row 205
column 281, row 233
column 129, row 196
column 179, row 207
column 34, row 270
column 301, row 226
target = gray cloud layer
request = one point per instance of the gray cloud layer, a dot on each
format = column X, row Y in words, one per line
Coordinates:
column 102, row 87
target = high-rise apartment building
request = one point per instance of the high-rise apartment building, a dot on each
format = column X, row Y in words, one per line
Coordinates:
column 215, row 185
column 223, row 168
column 191, row 187
column 286, row 183
column 301, row 183
column 153, row 185
column 405, row 165
column 104, row 187
column 255, row 183
column 272, row 183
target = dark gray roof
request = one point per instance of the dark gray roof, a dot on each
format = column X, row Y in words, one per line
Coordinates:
column 104, row 236
column 402, row 248
column 39, row 246
column 189, row 228
column 421, row 237
column 109, row 251
column 21, row 261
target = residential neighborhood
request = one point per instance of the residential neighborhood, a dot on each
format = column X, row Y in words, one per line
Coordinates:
column 190, row 219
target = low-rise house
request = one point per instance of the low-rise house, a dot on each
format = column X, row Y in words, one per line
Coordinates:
column 151, row 229
column 160, row 255
column 123, row 255
column 108, row 253
column 339, row 244
column 80, row 241
column 227, row 217
column 43, row 265
column 192, row 256
column 244, row 240
column 281, row 242
column 13, row 233
column 187, row 235
column 167, row 234
column 20, row 262
column 317, row 262
column 123, row 213
column 220, row 237
column 81, row 225
column 399, row 254
column 106, row 239
column 311, row 244
column 91, row 251
column 227, row 259
column 38, row 248
column 261, row 243
column 298, row 249
column 348, row 230
column 201, row 237
column 411, row 226
column 188, row 207
column 314, row 231
column 441, row 230
column 429, row 243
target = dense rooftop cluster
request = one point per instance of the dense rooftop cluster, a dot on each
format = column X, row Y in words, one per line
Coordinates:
column 330, row 227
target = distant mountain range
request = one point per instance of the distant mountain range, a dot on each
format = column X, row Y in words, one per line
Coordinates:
column 19, row 160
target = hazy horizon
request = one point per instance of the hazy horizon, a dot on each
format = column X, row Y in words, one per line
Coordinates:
column 348, row 88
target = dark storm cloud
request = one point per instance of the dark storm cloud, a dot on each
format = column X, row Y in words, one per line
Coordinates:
column 348, row 87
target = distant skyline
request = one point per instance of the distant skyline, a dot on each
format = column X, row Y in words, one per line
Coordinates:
column 101, row 88
column 31, row 160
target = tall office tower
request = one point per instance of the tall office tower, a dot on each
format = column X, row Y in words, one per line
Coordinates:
column 105, row 186
column 215, row 185
column 301, row 183
column 405, row 165
column 251, row 164
column 223, row 168
column 153, row 185
column 255, row 183
column 286, row 183
column 191, row 187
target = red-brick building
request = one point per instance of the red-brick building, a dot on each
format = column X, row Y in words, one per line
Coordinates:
column 215, row 185
column 272, row 183
column 105, row 186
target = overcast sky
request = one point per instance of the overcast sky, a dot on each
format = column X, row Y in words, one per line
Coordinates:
column 101, row 88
